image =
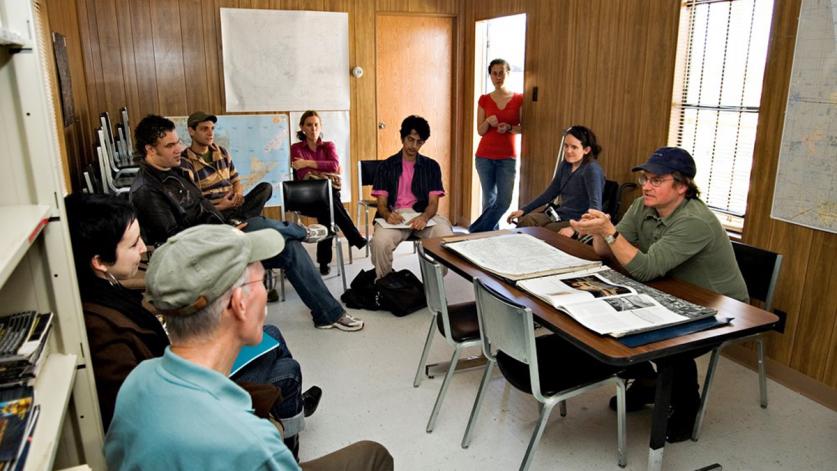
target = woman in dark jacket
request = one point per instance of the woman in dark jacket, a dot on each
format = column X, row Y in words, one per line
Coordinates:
column 577, row 186
column 122, row 332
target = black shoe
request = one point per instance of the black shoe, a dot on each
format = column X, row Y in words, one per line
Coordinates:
column 681, row 422
column 272, row 296
column 638, row 395
column 325, row 269
column 311, row 399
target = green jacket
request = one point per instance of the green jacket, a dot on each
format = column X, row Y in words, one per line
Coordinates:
column 690, row 245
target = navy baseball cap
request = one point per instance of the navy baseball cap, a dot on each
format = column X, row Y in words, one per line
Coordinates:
column 666, row 160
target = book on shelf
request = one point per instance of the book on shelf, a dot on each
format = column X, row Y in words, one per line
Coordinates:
column 610, row 303
column 16, row 422
column 23, row 336
column 517, row 256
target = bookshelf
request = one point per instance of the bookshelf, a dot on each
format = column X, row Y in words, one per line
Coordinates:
column 36, row 265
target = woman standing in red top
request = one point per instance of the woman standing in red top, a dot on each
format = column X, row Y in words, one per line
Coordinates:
column 498, row 116
column 315, row 156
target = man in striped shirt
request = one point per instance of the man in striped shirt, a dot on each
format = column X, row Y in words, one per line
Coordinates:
column 211, row 168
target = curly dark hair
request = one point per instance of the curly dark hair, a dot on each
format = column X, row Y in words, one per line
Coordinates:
column 150, row 130
column 415, row 123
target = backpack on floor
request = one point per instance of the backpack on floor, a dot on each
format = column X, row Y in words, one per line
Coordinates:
column 363, row 293
column 401, row 293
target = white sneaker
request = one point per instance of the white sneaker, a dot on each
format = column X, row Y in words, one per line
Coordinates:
column 316, row 233
column 345, row 322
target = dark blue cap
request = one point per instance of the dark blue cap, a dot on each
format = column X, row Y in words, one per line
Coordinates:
column 666, row 160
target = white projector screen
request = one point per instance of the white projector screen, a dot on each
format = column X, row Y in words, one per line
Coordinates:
column 278, row 60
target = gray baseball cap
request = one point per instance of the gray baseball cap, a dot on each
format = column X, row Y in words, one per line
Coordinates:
column 195, row 267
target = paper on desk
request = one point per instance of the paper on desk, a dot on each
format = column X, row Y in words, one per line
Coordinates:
column 518, row 256
column 408, row 216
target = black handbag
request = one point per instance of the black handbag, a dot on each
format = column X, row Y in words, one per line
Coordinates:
column 363, row 293
column 401, row 293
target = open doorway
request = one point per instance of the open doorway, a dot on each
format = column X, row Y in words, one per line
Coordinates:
column 505, row 38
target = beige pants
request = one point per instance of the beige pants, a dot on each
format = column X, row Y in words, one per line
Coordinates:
column 537, row 218
column 384, row 242
column 360, row 456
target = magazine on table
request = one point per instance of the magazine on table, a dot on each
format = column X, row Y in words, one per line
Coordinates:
column 518, row 256
column 609, row 303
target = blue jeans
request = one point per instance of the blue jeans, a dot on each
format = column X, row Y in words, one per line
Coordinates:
column 497, row 182
column 300, row 270
column 279, row 369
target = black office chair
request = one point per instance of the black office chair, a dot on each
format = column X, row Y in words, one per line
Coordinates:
column 366, row 170
column 611, row 202
column 546, row 367
column 760, row 269
column 308, row 197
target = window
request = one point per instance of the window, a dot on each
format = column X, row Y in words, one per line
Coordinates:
column 717, row 93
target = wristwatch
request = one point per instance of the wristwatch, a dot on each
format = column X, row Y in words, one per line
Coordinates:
column 610, row 239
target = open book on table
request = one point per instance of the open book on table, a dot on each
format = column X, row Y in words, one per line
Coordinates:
column 249, row 353
column 517, row 256
column 610, row 303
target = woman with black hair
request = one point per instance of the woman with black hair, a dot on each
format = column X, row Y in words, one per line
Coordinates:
column 121, row 332
column 577, row 186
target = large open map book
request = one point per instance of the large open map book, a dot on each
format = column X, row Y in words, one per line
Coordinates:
column 610, row 303
column 515, row 256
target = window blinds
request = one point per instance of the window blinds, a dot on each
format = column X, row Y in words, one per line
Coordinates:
column 717, row 94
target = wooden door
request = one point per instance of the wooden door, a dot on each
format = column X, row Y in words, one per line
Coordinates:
column 414, row 56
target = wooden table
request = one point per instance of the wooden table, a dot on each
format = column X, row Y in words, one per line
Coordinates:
column 747, row 320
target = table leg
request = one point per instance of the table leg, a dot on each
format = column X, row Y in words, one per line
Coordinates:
column 659, row 421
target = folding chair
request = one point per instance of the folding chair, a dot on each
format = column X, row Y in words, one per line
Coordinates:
column 534, row 366
column 760, row 269
column 457, row 323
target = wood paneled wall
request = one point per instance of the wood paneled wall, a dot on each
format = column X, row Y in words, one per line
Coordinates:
column 607, row 64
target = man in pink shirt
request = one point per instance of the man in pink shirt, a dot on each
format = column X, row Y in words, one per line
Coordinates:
column 408, row 186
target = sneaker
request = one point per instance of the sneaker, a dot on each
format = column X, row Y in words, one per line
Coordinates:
column 311, row 399
column 316, row 233
column 346, row 323
column 638, row 395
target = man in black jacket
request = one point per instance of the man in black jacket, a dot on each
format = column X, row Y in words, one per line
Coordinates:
column 408, row 186
column 167, row 202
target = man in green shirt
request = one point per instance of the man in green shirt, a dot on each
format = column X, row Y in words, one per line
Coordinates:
column 668, row 231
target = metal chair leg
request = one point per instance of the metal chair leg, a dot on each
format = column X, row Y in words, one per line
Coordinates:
column 282, row 285
column 366, row 218
column 704, row 397
column 762, row 371
column 621, row 427
column 425, row 351
column 562, row 407
column 546, row 409
column 466, row 439
column 340, row 266
column 444, row 389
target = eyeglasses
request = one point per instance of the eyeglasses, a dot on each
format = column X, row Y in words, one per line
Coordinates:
column 249, row 283
column 654, row 181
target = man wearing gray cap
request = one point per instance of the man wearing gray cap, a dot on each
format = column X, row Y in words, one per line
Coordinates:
column 181, row 411
column 211, row 168
column 669, row 231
